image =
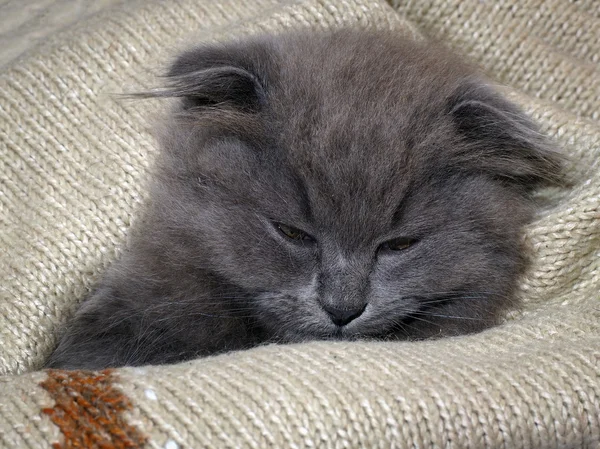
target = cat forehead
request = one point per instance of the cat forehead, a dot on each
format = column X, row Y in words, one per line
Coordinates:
column 362, row 97
column 361, row 71
column 360, row 134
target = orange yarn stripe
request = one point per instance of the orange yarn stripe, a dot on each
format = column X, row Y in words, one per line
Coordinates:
column 89, row 411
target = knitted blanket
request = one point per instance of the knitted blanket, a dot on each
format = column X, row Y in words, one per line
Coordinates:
column 73, row 159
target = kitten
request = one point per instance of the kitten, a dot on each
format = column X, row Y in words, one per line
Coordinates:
column 319, row 185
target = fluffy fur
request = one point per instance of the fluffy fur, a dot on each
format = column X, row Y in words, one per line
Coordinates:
column 355, row 138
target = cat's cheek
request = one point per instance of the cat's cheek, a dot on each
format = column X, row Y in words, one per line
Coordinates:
column 291, row 318
column 445, row 261
column 402, row 273
column 244, row 253
column 388, row 306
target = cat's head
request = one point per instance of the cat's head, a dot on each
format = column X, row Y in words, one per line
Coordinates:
column 353, row 183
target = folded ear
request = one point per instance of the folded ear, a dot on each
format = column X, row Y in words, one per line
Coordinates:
column 226, row 76
column 500, row 139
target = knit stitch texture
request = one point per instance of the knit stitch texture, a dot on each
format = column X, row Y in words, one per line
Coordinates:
column 73, row 159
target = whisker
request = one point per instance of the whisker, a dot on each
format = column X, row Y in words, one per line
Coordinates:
column 426, row 313
column 420, row 319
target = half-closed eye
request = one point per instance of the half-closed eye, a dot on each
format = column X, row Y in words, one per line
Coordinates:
column 398, row 244
column 293, row 233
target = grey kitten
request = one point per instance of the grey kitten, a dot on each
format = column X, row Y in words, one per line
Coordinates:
column 319, row 185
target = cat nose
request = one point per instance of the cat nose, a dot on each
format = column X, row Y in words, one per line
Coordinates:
column 341, row 317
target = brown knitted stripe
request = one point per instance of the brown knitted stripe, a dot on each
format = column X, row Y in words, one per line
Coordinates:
column 89, row 411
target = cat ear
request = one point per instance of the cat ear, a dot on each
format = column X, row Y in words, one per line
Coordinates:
column 217, row 76
column 500, row 139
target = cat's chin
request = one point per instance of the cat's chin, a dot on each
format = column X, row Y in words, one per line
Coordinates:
column 346, row 333
column 305, row 337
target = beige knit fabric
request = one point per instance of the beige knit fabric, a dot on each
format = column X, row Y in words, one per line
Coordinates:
column 72, row 164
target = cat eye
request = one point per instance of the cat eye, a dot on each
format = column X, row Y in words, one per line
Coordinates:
column 293, row 233
column 398, row 244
